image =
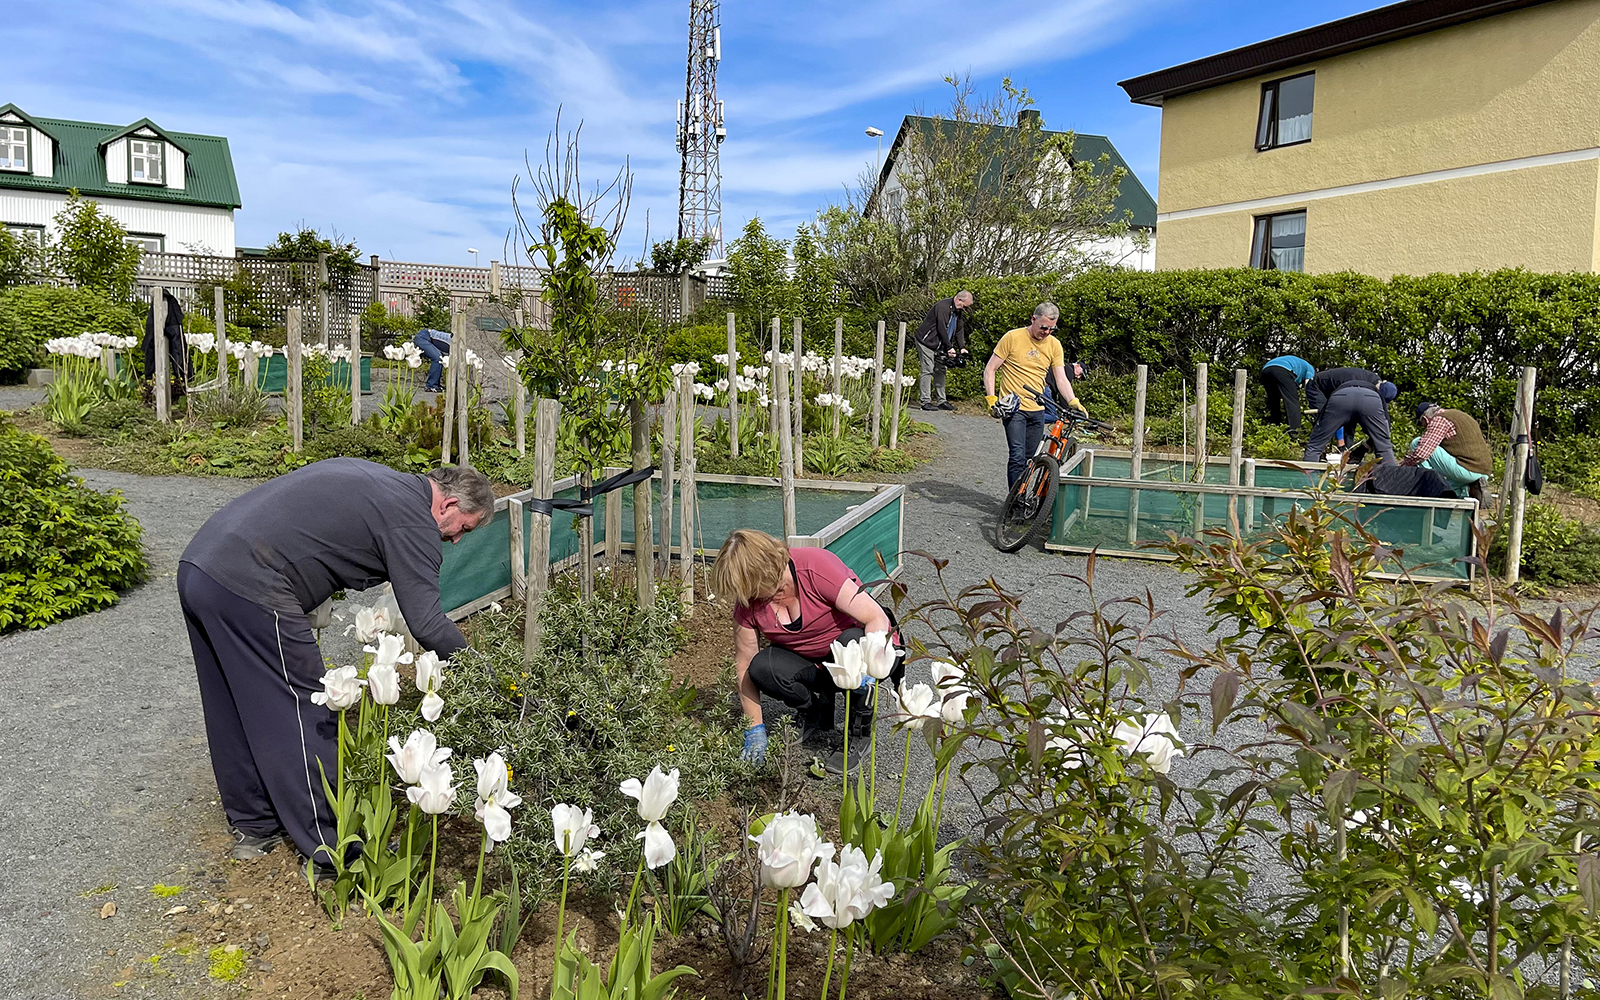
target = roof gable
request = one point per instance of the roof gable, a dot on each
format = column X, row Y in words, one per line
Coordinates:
column 1132, row 196
column 25, row 118
column 209, row 179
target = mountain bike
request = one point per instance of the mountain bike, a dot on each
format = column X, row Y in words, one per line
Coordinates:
column 1025, row 514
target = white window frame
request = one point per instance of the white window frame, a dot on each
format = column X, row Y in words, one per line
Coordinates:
column 26, row 230
column 143, row 241
column 153, row 151
column 7, row 141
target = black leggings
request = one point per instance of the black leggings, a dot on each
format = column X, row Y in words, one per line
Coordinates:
column 800, row 682
column 1283, row 396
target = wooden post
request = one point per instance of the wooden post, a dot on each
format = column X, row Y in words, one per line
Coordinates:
column 613, row 526
column 686, row 493
column 586, row 542
column 1504, row 504
column 1202, row 371
column 1088, row 473
column 355, row 374
column 293, row 404
column 643, row 550
column 669, row 470
column 838, row 373
column 1249, row 502
column 1136, row 461
column 519, row 550
column 219, row 314
column 163, row 372
column 463, row 381
column 1236, row 446
column 545, row 425
column 322, row 299
column 1519, row 485
column 494, row 279
column 785, row 450
column 877, row 387
column 772, row 375
column 894, row 407
column 733, row 387
column 799, row 372
column 449, row 402
column 519, row 403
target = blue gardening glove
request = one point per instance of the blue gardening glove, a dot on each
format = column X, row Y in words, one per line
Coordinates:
column 755, row 744
column 866, row 684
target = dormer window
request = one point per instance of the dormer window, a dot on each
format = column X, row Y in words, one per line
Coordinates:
column 14, row 148
column 145, row 161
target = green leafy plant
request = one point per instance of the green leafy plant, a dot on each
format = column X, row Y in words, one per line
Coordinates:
column 32, row 314
column 91, row 249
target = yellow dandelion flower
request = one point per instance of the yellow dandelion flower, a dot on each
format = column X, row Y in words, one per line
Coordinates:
column 671, row 748
column 571, row 712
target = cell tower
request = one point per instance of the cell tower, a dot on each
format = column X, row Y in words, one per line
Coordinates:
column 700, row 130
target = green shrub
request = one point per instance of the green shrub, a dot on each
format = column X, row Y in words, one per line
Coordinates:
column 365, row 441
column 703, row 343
column 1556, row 549
column 64, row 549
column 33, row 314
column 118, row 416
column 1573, row 464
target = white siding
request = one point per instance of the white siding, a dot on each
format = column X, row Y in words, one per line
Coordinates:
column 178, row 224
column 116, row 155
column 42, row 154
column 174, row 166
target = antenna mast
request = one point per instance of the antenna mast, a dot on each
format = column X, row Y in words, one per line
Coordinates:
column 701, row 131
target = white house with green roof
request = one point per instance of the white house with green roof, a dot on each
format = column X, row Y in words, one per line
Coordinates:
column 172, row 191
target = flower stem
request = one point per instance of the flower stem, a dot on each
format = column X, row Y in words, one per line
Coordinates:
column 849, row 952
column 772, row 966
column 872, row 781
column 344, row 737
column 427, row 902
column 944, row 782
column 844, row 783
column 411, row 825
column 833, row 945
column 783, row 944
column 905, row 770
column 561, row 913
column 638, row 876
column 477, row 885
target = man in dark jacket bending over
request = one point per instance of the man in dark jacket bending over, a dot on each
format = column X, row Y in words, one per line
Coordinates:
column 1345, row 398
column 247, row 584
column 941, row 342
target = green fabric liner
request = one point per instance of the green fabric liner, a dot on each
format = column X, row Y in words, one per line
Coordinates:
column 272, row 376
column 480, row 563
column 1163, row 511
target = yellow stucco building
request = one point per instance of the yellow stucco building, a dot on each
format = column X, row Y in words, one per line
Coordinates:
column 1430, row 135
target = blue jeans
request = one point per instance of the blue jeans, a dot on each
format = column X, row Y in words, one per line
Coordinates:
column 1024, row 431
column 431, row 351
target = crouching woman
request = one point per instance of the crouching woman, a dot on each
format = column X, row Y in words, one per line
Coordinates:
column 800, row 601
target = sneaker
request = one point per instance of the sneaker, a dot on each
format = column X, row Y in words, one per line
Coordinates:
column 945, row 404
column 833, row 764
column 246, row 847
column 816, row 723
column 930, row 406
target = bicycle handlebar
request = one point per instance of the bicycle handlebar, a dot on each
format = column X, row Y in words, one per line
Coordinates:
column 1076, row 417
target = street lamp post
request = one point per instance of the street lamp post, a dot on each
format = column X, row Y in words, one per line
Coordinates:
column 877, row 133
column 474, row 252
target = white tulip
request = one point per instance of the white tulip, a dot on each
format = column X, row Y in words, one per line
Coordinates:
column 1156, row 738
column 655, row 795
column 430, row 672
column 948, row 680
column 846, row 892
column 421, row 750
column 801, row 918
column 878, row 655
column 435, row 789
column 389, row 650
column 574, row 827
column 918, row 704
column 848, row 666
column 384, row 683
column 495, row 798
column 341, row 689
column 493, row 778
column 365, row 626
column 432, row 707
column 658, row 846
column 787, row 849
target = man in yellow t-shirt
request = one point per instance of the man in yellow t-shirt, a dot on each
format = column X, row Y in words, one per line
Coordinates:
column 1024, row 358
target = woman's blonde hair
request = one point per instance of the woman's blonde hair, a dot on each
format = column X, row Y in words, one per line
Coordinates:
column 749, row 566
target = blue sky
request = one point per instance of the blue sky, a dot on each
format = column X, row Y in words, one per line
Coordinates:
column 401, row 123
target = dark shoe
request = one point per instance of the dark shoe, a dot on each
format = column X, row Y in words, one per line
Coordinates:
column 930, row 406
column 946, row 405
column 246, row 847
column 816, row 722
column 433, row 388
column 833, row 764
column 860, row 714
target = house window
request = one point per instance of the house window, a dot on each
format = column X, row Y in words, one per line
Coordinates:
column 22, row 230
column 144, row 161
column 148, row 242
column 1285, row 112
column 1280, row 242
column 13, row 148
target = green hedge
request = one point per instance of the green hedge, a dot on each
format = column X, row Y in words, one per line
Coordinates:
column 1460, row 339
column 64, row 549
column 33, row 314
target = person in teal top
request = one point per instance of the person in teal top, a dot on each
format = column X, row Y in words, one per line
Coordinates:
column 1285, row 375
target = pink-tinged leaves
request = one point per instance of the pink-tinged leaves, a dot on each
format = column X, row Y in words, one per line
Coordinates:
column 1224, row 692
column 1589, row 881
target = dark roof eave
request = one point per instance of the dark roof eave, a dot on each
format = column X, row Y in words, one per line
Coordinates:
column 1359, row 31
column 136, row 126
column 134, row 193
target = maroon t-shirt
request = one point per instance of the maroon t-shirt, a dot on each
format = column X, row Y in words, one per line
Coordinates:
column 818, row 575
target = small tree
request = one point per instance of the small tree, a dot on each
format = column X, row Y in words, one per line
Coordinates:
column 814, row 290
column 92, row 249
column 680, row 255
column 759, row 266
column 20, row 259
column 433, row 305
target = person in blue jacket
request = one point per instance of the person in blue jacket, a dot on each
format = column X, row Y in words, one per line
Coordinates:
column 1285, row 375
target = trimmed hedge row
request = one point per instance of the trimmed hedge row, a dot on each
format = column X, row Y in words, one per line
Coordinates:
column 33, row 314
column 1460, row 339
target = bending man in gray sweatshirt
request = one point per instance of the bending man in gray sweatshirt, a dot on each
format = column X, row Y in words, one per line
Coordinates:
column 248, row 582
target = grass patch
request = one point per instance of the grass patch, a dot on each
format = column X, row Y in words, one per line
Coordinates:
column 225, row 963
column 165, row 890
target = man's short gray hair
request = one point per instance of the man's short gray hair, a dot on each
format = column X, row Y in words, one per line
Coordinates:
column 963, row 294
column 1046, row 309
column 469, row 487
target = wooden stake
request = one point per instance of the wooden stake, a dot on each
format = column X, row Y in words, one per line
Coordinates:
column 1136, row 461
column 1250, row 501
column 519, row 550
column 1504, row 504
column 785, row 451
column 1200, row 379
column 585, row 542
column 669, row 471
column 799, row 372
column 877, row 386
column 463, row 380
column 1236, row 446
column 733, row 387
column 322, row 298
column 355, row 374
column 686, row 492
column 1519, row 481
column 772, row 378
column 294, row 404
column 449, row 403
column 643, row 549
column 838, row 373
column 163, row 373
column 219, row 315
column 546, row 422
column 894, row 408
column 519, row 402
column 613, row 527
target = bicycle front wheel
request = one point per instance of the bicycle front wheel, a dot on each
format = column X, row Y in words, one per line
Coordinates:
column 1025, row 515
